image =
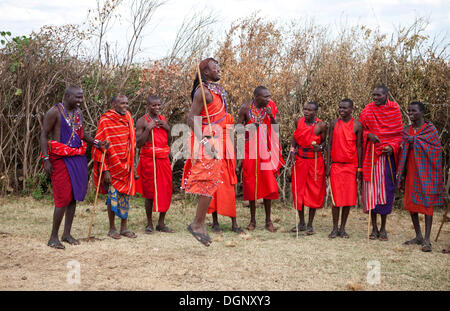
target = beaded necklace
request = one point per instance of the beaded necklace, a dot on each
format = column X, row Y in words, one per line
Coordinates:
column 73, row 121
column 257, row 115
column 217, row 89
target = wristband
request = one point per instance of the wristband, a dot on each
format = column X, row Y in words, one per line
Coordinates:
column 97, row 143
column 204, row 141
column 360, row 169
column 292, row 149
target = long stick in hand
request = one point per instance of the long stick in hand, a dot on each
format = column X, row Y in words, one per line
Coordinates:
column 96, row 194
column 256, row 167
column 204, row 101
column 154, row 172
column 295, row 199
column 315, row 161
column 390, row 167
column 370, row 192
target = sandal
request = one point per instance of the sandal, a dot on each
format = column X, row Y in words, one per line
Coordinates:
column 426, row 247
column 298, row 228
column 344, row 234
column 374, row 235
column 216, row 229
column 251, row 226
column 383, row 236
column 202, row 238
column 128, row 234
column 56, row 244
column 164, row 229
column 310, row 231
column 238, row 230
column 333, row 234
column 114, row 234
column 269, row 227
column 148, row 230
column 414, row 241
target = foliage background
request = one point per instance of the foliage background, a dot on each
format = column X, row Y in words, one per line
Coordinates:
column 297, row 61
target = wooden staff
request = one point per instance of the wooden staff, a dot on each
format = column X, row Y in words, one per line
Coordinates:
column 295, row 199
column 370, row 193
column 444, row 219
column 256, row 167
column 154, row 172
column 204, row 99
column 315, row 161
column 331, row 193
column 390, row 167
column 96, row 195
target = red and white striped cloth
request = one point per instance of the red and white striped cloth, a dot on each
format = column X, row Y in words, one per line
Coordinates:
column 119, row 161
column 375, row 193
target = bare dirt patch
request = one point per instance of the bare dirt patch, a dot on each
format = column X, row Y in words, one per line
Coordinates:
column 257, row 261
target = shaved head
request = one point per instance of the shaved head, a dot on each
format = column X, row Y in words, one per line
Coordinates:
column 72, row 90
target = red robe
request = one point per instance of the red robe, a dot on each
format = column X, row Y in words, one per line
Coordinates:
column 305, row 190
column 344, row 167
column 385, row 121
column 205, row 176
column 224, row 200
column 145, row 184
column 119, row 161
column 409, row 181
column 268, row 160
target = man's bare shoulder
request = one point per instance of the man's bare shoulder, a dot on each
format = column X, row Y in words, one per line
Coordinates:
column 323, row 125
column 357, row 124
column 53, row 112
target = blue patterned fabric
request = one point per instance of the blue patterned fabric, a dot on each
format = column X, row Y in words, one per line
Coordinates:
column 120, row 204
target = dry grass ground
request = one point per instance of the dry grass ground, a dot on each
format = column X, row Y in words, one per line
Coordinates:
column 260, row 261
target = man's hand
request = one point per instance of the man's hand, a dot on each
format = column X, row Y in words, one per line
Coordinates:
column 387, row 150
column 211, row 150
column 107, row 179
column 269, row 111
column 150, row 125
column 163, row 124
column 317, row 148
column 373, row 138
column 48, row 167
column 104, row 145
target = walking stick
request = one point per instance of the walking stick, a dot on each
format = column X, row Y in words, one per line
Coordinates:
column 204, row 100
column 390, row 167
column 370, row 192
column 96, row 195
column 444, row 219
column 295, row 199
column 331, row 193
column 256, row 167
column 154, row 173
column 315, row 161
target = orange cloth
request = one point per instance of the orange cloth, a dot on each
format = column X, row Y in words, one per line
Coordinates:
column 268, row 160
column 145, row 184
column 119, row 161
column 305, row 190
column 409, row 182
column 344, row 167
column 203, row 175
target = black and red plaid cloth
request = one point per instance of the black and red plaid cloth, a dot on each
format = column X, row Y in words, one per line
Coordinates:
column 428, row 180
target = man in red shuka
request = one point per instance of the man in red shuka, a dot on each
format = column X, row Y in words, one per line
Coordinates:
column 344, row 162
column 153, row 123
